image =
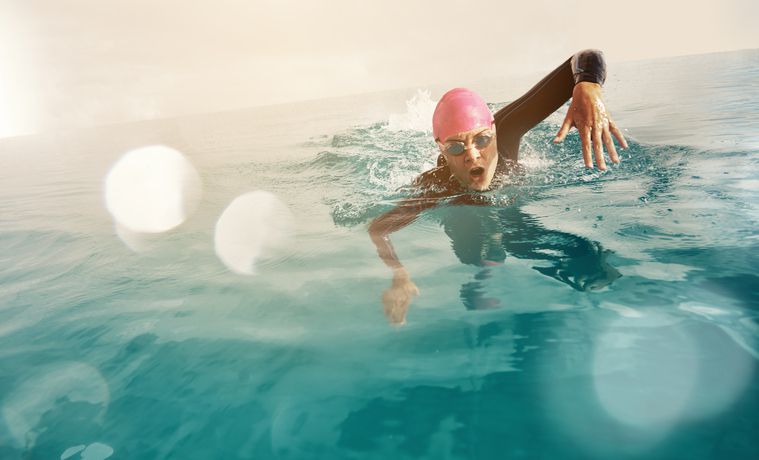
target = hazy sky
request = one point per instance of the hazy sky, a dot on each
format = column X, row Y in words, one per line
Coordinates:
column 68, row 63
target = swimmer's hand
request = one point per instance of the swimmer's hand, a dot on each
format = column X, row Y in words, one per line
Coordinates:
column 588, row 113
column 397, row 297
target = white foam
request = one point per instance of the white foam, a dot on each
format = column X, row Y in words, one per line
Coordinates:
column 418, row 116
column 534, row 161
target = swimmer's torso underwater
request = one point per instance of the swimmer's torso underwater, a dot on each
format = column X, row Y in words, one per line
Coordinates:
column 485, row 235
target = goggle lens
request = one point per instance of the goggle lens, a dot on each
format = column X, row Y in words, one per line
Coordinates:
column 480, row 142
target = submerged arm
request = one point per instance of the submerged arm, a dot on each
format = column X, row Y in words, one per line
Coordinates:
column 397, row 298
column 381, row 228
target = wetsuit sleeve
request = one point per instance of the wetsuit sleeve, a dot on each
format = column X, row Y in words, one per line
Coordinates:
column 589, row 65
column 514, row 120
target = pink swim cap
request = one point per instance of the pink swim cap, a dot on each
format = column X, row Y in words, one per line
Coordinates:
column 459, row 110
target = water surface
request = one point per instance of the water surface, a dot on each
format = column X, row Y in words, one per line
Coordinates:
column 617, row 318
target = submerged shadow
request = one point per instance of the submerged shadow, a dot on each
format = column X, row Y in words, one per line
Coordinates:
column 485, row 236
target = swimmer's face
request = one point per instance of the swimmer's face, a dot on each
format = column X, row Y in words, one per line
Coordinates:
column 474, row 168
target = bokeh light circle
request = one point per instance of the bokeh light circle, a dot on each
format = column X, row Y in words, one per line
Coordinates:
column 254, row 227
column 644, row 377
column 152, row 189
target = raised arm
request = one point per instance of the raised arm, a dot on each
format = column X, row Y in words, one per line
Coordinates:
column 579, row 77
column 521, row 115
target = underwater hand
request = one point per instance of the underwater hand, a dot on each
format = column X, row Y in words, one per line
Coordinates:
column 397, row 297
column 588, row 113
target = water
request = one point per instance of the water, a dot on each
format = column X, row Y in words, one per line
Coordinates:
column 620, row 320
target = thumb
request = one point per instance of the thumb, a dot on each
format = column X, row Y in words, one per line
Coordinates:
column 565, row 127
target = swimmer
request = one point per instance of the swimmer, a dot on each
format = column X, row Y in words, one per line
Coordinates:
column 478, row 149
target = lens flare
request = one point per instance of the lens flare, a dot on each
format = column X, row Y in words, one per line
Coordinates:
column 254, row 227
column 644, row 376
column 95, row 451
column 152, row 189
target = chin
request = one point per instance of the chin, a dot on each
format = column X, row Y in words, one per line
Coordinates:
column 480, row 187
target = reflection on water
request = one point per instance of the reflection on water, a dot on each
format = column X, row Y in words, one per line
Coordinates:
column 484, row 236
column 651, row 382
column 72, row 393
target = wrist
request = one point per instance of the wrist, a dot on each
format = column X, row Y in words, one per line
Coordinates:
column 589, row 85
column 400, row 274
column 589, row 66
column 585, row 89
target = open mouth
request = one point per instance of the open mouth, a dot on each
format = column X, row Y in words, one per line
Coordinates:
column 477, row 171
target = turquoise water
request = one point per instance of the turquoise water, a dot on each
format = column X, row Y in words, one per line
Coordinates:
column 619, row 320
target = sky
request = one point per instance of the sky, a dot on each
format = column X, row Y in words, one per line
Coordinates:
column 67, row 64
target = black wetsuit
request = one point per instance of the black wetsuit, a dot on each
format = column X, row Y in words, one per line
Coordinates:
column 483, row 236
column 521, row 115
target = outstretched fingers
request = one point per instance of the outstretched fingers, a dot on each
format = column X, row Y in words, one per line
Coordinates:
column 618, row 134
column 596, row 134
column 598, row 149
column 609, row 143
column 585, row 137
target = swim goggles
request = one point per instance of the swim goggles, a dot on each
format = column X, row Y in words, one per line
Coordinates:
column 480, row 141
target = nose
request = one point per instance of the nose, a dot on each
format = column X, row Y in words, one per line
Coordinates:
column 471, row 152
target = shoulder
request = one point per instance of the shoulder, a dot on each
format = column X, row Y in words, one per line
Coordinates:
column 436, row 180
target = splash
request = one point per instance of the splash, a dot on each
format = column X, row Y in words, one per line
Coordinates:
column 418, row 116
column 369, row 168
